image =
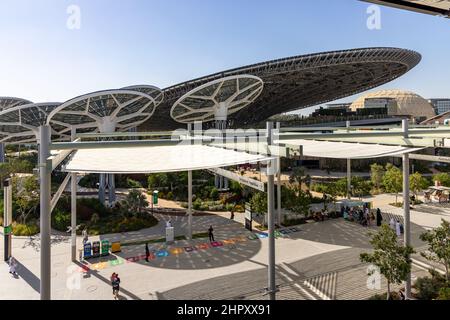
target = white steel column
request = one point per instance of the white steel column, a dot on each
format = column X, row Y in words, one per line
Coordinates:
column 406, row 207
column 45, row 187
column 271, row 230
column 73, row 204
column 278, row 125
column 2, row 152
column 189, row 205
column 349, row 168
column 349, row 178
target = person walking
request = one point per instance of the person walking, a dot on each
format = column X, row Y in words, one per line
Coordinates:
column 85, row 236
column 232, row 214
column 398, row 228
column 392, row 224
column 211, row 234
column 115, row 282
column 12, row 266
column 379, row 217
column 147, row 252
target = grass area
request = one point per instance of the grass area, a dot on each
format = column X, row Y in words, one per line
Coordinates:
column 161, row 240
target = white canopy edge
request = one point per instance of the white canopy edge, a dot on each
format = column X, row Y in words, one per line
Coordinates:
column 343, row 150
column 156, row 159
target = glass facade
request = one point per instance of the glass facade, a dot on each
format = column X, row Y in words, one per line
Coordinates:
column 441, row 105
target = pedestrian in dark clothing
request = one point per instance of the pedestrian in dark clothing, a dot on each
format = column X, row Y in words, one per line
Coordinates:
column 147, row 252
column 115, row 282
column 210, row 234
column 379, row 217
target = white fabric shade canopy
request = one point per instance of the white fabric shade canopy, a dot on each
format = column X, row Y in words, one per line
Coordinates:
column 342, row 150
column 156, row 159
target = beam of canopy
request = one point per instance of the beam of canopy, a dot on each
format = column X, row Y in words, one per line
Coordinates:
column 156, row 159
column 342, row 150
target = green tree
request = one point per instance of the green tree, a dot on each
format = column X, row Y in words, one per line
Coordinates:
column 438, row 241
column 135, row 202
column 443, row 178
column 361, row 187
column 157, row 180
column 391, row 258
column 214, row 194
column 393, row 180
column 25, row 196
column 417, row 183
column 258, row 204
column 298, row 176
column 297, row 200
column 376, row 176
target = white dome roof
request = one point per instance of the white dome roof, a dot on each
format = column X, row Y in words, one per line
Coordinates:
column 408, row 103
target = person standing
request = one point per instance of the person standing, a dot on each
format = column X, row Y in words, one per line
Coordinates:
column 392, row 224
column 147, row 252
column 85, row 236
column 379, row 217
column 232, row 214
column 115, row 282
column 12, row 266
column 211, row 234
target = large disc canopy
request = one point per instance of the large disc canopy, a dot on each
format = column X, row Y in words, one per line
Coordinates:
column 217, row 99
column 11, row 102
column 106, row 111
column 21, row 124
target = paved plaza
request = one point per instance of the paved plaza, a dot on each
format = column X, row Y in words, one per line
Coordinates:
column 314, row 261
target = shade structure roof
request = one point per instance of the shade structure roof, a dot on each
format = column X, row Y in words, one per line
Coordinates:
column 156, row 159
column 11, row 102
column 434, row 7
column 106, row 111
column 342, row 150
column 217, row 99
column 299, row 82
column 20, row 124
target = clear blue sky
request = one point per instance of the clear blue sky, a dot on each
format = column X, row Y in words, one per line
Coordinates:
column 164, row 42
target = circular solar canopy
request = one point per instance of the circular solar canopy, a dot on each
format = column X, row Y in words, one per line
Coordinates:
column 152, row 91
column 11, row 102
column 299, row 82
column 217, row 99
column 21, row 124
column 105, row 111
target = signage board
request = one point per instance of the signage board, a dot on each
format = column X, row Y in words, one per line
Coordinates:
column 249, row 182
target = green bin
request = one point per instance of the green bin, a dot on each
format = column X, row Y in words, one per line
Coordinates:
column 105, row 248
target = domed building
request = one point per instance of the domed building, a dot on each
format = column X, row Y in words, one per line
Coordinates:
column 397, row 102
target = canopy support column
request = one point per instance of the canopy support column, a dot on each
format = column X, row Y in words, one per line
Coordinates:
column 406, row 216
column 73, row 204
column 349, row 178
column 190, row 205
column 2, row 152
column 45, row 187
column 271, row 229
column 278, row 125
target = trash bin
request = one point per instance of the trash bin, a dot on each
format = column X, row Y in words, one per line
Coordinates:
column 115, row 247
column 87, row 248
column 96, row 249
column 105, row 248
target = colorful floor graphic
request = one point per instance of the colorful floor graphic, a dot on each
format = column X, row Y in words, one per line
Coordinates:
column 175, row 251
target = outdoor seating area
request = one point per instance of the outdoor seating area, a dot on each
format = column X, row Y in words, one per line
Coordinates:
column 438, row 194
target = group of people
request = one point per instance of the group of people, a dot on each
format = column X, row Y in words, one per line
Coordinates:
column 396, row 226
column 363, row 216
